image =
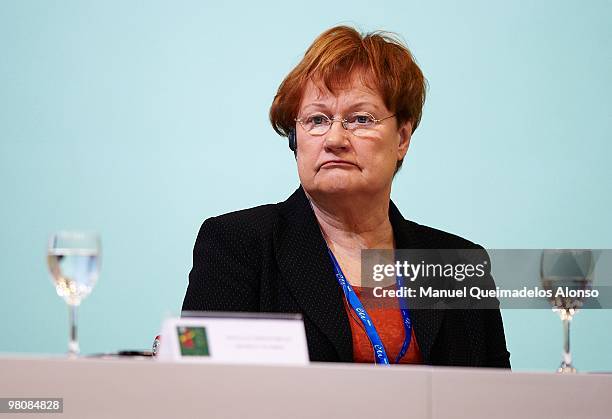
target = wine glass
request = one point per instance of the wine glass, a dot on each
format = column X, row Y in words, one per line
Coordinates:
column 566, row 274
column 74, row 263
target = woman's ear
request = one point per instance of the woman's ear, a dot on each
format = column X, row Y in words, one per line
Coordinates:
column 405, row 133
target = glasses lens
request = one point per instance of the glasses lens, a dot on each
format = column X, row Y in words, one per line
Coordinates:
column 360, row 123
column 317, row 124
column 360, row 120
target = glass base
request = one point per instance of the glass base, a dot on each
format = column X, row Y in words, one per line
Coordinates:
column 566, row 369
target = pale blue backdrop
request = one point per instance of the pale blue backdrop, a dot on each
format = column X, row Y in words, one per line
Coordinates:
column 139, row 119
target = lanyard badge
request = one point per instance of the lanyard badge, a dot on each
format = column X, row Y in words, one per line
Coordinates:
column 380, row 354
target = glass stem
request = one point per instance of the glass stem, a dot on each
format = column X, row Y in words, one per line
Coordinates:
column 73, row 343
column 567, row 356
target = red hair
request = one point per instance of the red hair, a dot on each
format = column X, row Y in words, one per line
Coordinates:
column 382, row 61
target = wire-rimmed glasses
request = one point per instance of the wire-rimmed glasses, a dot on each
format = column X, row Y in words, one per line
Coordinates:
column 359, row 123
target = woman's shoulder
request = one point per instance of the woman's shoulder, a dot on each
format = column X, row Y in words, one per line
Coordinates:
column 244, row 221
column 262, row 218
column 417, row 236
column 247, row 215
column 237, row 235
column 439, row 239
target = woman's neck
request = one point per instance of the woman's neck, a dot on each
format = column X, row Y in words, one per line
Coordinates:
column 351, row 225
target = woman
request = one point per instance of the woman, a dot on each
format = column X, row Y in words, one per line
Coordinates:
column 348, row 109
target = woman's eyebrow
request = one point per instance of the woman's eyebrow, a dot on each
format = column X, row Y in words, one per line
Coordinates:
column 351, row 107
column 362, row 104
column 317, row 105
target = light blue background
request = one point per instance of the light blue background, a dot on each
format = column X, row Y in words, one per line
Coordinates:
column 140, row 119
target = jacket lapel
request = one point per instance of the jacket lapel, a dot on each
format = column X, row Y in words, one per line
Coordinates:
column 304, row 263
column 426, row 322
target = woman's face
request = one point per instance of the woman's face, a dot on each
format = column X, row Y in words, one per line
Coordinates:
column 339, row 162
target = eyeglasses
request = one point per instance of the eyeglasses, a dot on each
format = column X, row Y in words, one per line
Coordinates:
column 359, row 123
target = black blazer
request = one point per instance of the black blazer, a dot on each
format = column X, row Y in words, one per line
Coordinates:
column 273, row 258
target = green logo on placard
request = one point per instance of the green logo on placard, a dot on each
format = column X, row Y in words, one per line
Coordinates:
column 193, row 341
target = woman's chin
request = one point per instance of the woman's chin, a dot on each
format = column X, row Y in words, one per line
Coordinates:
column 338, row 186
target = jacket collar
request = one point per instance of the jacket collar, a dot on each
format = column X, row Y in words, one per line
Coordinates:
column 303, row 260
column 304, row 263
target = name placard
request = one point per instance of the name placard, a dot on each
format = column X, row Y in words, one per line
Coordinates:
column 234, row 338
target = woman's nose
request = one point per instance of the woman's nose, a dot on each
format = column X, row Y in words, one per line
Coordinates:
column 337, row 136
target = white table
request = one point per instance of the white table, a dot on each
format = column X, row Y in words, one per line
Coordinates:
column 94, row 388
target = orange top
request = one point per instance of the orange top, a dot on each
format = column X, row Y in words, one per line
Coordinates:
column 387, row 319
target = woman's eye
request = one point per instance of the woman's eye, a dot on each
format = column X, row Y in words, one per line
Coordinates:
column 317, row 119
column 362, row 119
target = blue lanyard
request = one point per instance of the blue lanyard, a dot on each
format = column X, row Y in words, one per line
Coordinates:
column 380, row 355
